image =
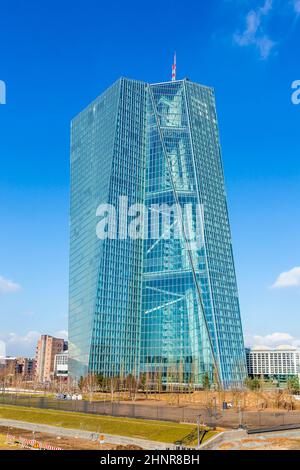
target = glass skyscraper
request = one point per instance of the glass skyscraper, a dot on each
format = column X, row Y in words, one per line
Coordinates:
column 156, row 303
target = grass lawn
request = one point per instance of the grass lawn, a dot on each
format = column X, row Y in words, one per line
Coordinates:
column 160, row 431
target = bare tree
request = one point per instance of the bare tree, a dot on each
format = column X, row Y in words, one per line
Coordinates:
column 91, row 385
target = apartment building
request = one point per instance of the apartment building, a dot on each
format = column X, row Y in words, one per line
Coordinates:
column 47, row 348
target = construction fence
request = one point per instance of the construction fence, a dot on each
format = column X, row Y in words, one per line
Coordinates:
column 214, row 417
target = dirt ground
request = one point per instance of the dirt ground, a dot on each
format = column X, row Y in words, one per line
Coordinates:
column 65, row 443
column 271, row 400
column 270, row 443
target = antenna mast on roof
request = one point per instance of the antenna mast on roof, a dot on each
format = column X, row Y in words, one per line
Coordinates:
column 174, row 69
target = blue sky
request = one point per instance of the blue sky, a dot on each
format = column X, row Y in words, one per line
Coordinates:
column 55, row 57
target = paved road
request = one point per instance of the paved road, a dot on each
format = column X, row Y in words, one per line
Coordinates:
column 239, row 439
column 226, row 436
column 109, row 438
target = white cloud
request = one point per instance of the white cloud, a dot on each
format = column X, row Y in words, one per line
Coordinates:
column 288, row 279
column 61, row 334
column 18, row 345
column 7, row 286
column 297, row 6
column 248, row 35
column 272, row 340
column 267, row 7
column 25, row 345
column 28, row 314
column 265, row 45
column 254, row 34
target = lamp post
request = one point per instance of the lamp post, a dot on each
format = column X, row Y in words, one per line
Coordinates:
column 198, row 429
column 240, row 416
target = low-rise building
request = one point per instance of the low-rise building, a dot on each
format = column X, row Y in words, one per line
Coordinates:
column 25, row 366
column 61, row 364
column 279, row 363
column 15, row 368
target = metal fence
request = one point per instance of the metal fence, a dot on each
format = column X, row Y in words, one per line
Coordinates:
column 187, row 413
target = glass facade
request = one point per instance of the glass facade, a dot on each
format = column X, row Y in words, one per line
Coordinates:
column 156, row 305
column 107, row 161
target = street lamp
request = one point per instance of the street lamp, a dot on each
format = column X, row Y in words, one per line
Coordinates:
column 240, row 415
column 198, row 429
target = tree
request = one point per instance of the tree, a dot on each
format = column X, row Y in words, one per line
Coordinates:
column 216, row 379
column 113, row 382
column 256, row 383
column 100, row 379
column 81, row 383
column 206, row 381
column 143, row 381
column 91, row 385
column 293, row 384
column 131, row 385
column 159, row 380
column 252, row 383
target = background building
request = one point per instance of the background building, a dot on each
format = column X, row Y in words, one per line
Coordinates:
column 25, row 367
column 17, row 369
column 8, row 367
column 47, row 348
column 151, row 305
column 279, row 363
column 61, row 364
